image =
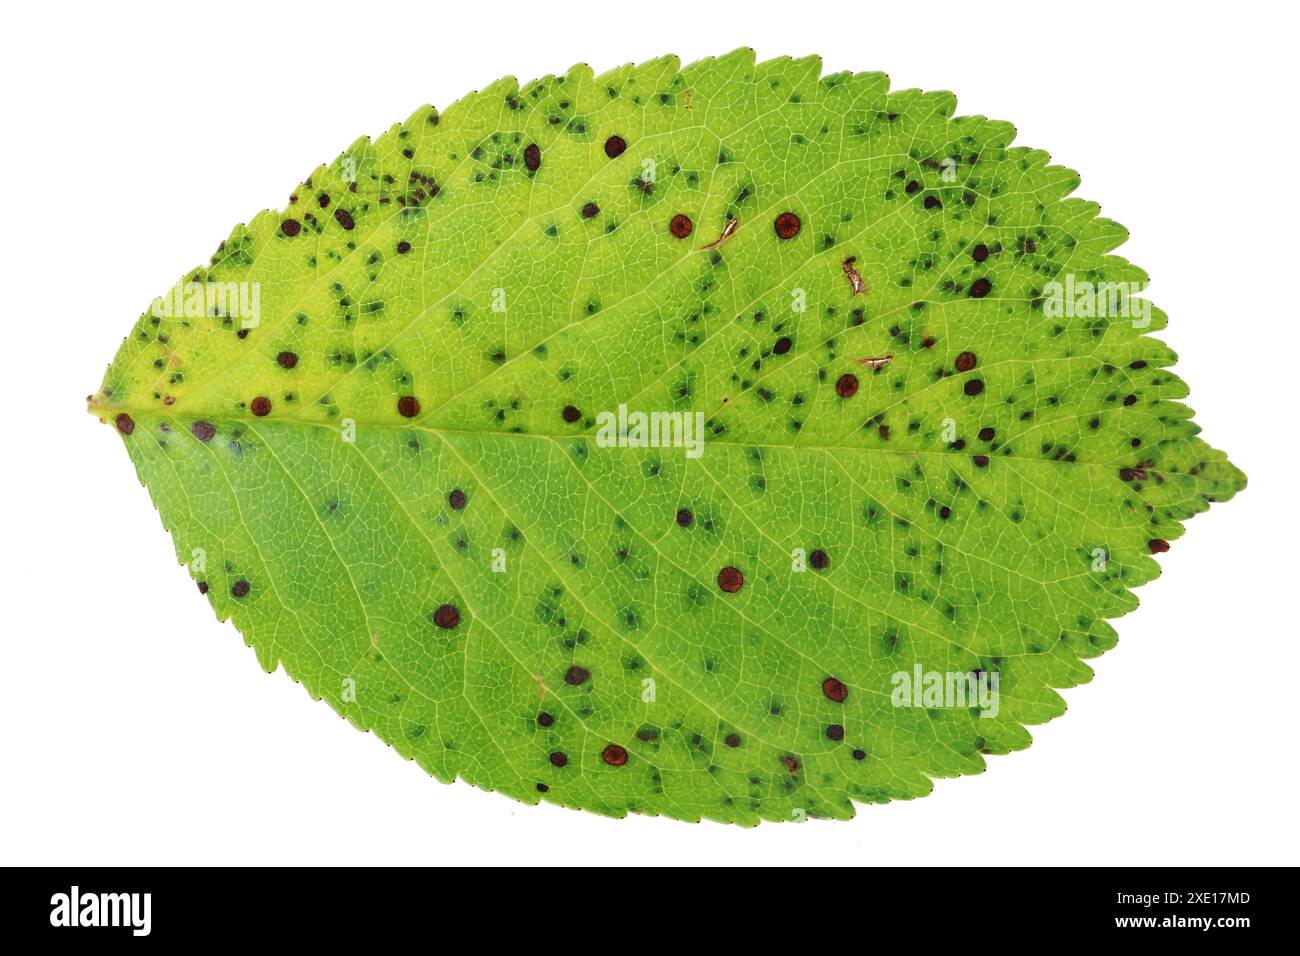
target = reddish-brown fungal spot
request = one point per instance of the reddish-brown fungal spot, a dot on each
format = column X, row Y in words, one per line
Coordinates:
column 786, row 225
column 973, row 387
column 125, row 423
column 291, row 227
column 447, row 616
column 545, row 720
column 859, row 754
column 614, row 146
column 570, row 414
column 344, row 218
column 980, row 288
column 819, row 559
column 403, row 247
column 730, row 579
column 684, row 518
column 732, row 740
column 834, row 689
column 590, row 210
column 532, row 157
column 203, row 587
column 203, row 431
column 965, row 362
column 260, row 406
column 559, row 758
column 987, row 433
column 847, row 385
column 614, row 755
column 834, row 732
column 981, row 461
column 980, row 252
column 576, row 676
column 1158, row 545
column 408, row 406
column 287, row 359
column 240, row 588
column 790, row 763
column 782, row 345
column 680, row 225
column 543, row 788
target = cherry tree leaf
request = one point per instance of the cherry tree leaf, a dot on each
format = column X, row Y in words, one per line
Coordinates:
column 729, row 441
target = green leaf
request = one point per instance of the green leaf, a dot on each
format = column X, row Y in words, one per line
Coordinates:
column 388, row 462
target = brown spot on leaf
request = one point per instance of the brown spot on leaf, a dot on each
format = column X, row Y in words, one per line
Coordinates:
column 240, row 588
column 570, row 414
column 447, row 616
column 125, row 423
column 680, row 226
column 834, row 689
column 614, row 146
column 576, row 676
column 457, row 499
column 408, row 406
column 790, row 763
column 1158, row 545
column 856, row 282
column 532, row 157
column 980, row 288
column 727, row 232
column 614, row 755
column 834, row 732
column 287, row 359
column 559, row 759
column 260, row 406
column 203, row 431
column 965, row 362
column 291, row 227
column 847, row 385
column 730, row 579
column 344, row 218
column 786, row 225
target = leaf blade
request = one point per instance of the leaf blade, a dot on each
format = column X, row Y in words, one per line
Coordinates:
column 348, row 548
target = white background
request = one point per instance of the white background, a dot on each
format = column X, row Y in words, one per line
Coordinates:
column 136, row 729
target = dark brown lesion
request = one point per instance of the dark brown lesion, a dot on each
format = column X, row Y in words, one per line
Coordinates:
column 856, row 282
column 1137, row 473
